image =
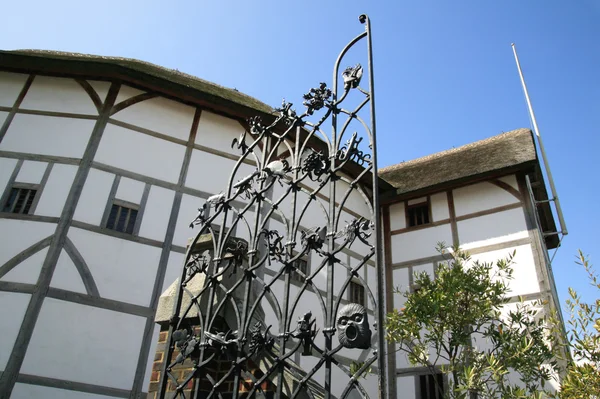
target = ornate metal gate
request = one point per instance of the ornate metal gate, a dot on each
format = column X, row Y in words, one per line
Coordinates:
column 248, row 306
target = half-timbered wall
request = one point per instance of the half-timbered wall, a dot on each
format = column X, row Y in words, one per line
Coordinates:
column 489, row 219
column 77, row 299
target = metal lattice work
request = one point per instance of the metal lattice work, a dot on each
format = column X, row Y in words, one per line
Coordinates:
column 264, row 307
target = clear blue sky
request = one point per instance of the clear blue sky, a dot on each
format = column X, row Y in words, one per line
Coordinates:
column 445, row 73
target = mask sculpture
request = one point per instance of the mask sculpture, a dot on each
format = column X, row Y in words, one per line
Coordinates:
column 353, row 327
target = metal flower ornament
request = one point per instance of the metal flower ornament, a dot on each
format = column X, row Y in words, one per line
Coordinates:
column 284, row 271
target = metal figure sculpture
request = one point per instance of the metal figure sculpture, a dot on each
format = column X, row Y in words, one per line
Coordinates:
column 260, row 231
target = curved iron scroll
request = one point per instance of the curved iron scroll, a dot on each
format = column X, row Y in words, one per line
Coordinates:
column 240, row 319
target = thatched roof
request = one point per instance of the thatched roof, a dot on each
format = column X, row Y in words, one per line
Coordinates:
column 134, row 71
column 507, row 151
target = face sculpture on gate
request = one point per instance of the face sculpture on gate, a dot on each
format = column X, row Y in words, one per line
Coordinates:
column 353, row 327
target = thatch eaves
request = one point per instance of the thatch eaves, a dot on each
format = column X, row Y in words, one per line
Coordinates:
column 170, row 82
column 506, row 152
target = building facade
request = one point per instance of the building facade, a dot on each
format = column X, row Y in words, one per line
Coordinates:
column 103, row 164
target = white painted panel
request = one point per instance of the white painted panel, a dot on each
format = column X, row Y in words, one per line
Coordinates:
column 122, row 270
column 47, row 135
column 140, row 153
column 479, row 197
column 397, row 216
column 7, row 166
column 151, row 353
column 526, row 280
column 23, row 234
column 187, row 212
column 419, row 243
column 56, row 190
column 12, row 310
column 160, row 115
column 66, row 275
column 94, row 197
column 11, row 85
column 405, row 387
column 211, row 173
column 130, row 190
column 59, row 95
column 511, row 181
column 400, row 282
column 402, row 359
column 371, row 282
column 157, row 213
column 31, row 172
column 126, row 92
column 27, row 271
column 27, row 391
column 3, row 116
column 492, row 229
column 439, row 207
column 216, row 131
column 173, row 272
column 90, row 348
column 355, row 202
column 417, row 201
column 101, row 88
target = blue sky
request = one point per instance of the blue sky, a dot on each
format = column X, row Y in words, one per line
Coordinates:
column 445, row 73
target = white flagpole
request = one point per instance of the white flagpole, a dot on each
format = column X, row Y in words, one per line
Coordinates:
column 563, row 226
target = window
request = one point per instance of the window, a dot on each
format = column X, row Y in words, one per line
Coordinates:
column 20, row 200
column 301, row 265
column 431, row 386
column 357, row 293
column 122, row 218
column 417, row 214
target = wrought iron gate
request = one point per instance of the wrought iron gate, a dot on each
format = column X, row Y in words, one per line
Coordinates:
column 248, row 306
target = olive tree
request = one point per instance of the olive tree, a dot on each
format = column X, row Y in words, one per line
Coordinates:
column 583, row 373
column 461, row 323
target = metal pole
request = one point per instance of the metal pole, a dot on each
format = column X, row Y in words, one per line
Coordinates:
column 563, row 226
column 381, row 287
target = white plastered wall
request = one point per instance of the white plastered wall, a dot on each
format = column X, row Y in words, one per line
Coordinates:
column 130, row 190
column 217, row 132
column 55, row 192
column 7, row 166
column 67, row 334
column 11, row 85
column 140, row 153
column 123, row 270
column 160, row 115
column 493, row 229
column 31, row 172
column 58, row 95
column 46, row 135
column 480, row 197
column 94, row 197
column 12, row 310
column 419, row 243
column 156, row 215
column 23, row 234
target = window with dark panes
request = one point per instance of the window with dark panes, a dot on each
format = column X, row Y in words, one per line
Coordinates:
column 357, row 293
column 122, row 218
column 418, row 214
column 431, row 386
column 300, row 271
column 19, row 200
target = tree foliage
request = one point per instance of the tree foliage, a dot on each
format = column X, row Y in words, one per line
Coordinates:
column 462, row 324
column 583, row 373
